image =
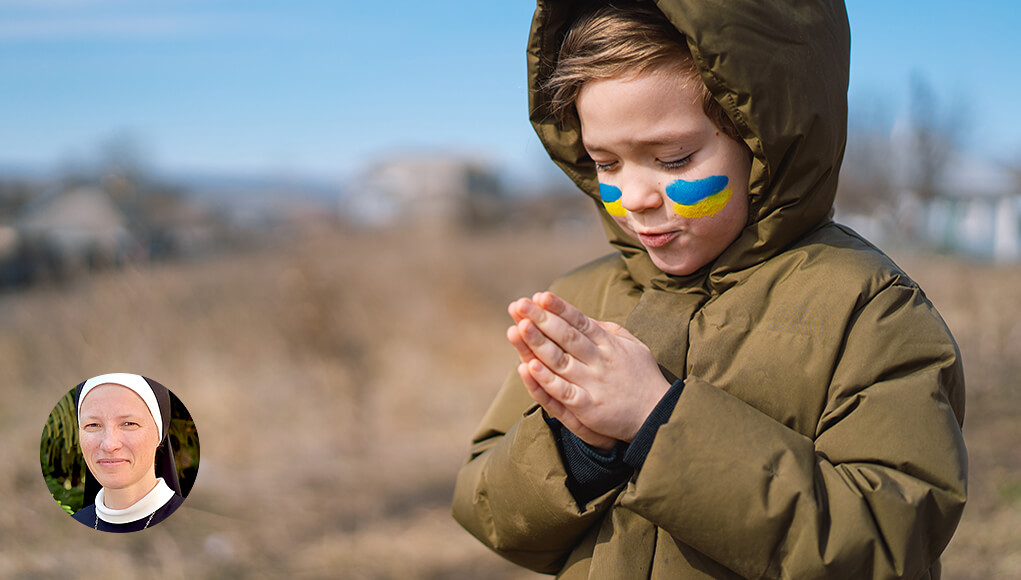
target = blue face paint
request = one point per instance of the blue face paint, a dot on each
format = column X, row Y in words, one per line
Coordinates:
column 611, row 197
column 701, row 198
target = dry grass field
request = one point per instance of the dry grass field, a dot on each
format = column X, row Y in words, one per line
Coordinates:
column 335, row 379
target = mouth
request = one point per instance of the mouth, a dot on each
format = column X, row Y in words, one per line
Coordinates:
column 111, row 462
column 657, row 240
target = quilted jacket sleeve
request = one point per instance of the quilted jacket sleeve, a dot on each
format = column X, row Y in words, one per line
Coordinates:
column 512, row 494
column 876, row 493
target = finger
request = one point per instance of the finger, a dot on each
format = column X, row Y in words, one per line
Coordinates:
column 567, row 311
column 614, row 329
column 535, row 390
column 617, row 330
column 543, row 348
column 552, row 406
column 557, row 410
column 515, row 309
column 560, row 331
column 564, row 391
column 518, row 342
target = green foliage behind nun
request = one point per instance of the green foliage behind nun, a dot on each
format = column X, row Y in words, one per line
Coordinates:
column 61, row 457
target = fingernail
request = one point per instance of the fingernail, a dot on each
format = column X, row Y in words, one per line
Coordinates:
column 527, row 330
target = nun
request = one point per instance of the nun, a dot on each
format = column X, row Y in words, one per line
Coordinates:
column 123, row 428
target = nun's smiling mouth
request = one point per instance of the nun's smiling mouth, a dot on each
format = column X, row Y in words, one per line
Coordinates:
column 111, row 462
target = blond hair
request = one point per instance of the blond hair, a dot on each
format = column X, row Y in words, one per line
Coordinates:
column 621, row 41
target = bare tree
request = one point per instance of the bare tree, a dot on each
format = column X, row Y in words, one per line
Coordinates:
column 936, row 133
column 122, row 171
column 1015, row 171
column 866, row 176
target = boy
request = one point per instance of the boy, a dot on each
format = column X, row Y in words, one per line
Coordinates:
column 744, row 389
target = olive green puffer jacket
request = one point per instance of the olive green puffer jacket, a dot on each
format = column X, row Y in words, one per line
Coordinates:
column 818, row 433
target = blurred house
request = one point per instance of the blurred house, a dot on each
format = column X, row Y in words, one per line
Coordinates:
column 973, row 211
column 976, row 212
column 432, row 188
column 64, row 232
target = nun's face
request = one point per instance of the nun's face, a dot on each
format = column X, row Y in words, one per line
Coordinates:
column 118, row 437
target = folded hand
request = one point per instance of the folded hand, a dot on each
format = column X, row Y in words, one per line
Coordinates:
column 595, row 377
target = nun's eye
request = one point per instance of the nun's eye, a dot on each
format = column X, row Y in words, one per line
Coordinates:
column 130, row 424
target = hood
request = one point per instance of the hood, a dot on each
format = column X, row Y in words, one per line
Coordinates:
column 780, row 74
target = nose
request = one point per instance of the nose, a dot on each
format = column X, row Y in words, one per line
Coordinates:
column 640, row 192
column 111, row 441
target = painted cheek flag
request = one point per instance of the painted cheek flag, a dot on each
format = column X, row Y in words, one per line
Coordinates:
column 700, row 198
column 611, row 200
column 692, row 199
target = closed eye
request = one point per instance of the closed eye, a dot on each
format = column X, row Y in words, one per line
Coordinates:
column 675, row 164
column 601, row 167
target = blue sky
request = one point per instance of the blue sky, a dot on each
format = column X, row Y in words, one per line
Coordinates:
column 318, row 88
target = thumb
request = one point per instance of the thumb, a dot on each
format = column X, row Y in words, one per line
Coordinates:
column 614, row 329
column 618, row 331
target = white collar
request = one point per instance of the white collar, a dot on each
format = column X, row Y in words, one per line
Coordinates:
column 154, row 500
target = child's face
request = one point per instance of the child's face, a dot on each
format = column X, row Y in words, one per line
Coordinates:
column 667, row 174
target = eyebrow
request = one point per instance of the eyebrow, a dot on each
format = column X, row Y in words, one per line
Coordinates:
column 119, row 417
column 658, row 140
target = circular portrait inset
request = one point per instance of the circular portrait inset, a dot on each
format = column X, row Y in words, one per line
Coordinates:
column 119, row 452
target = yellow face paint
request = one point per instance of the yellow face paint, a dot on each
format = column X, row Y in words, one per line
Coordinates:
column 611, row 197
column 701, row 198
